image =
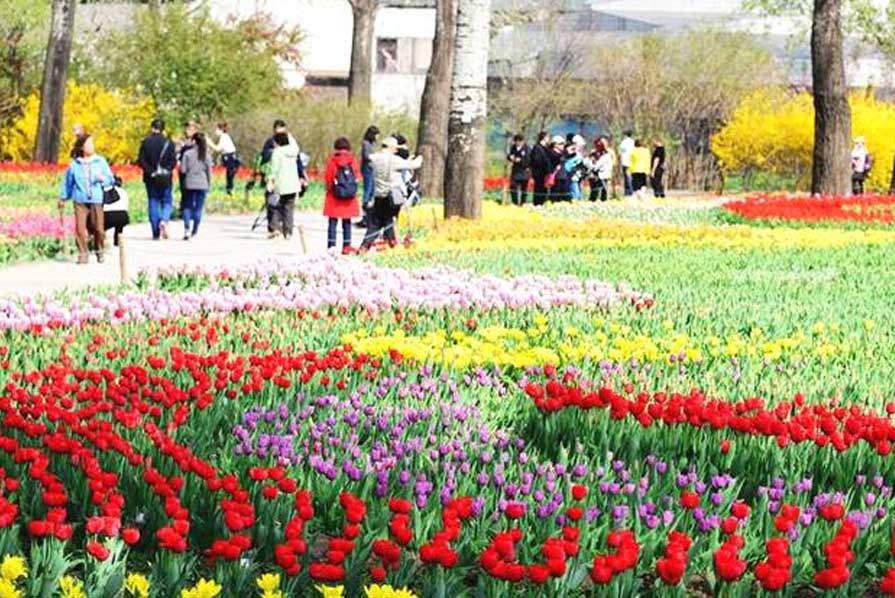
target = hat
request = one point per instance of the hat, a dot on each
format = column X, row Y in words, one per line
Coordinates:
column 578, row 140
column 390, row 142
column 557, row 139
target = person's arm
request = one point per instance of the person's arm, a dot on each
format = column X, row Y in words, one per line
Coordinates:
column 409, row 164
column 68, row 182
column 655, row 165
column 208, row 169
column 107, row 177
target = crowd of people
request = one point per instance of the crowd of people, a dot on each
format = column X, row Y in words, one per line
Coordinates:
column 100, row 203
column 561, row 168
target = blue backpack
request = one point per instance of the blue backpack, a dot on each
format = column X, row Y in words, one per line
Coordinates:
column 345, row 185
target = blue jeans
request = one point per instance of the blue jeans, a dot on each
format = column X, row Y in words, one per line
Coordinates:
column 629, row 182
column 331, row 233
column 369, row 186
column 160, row 203
column 192, row 206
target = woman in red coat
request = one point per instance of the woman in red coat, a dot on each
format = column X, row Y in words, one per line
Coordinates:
column 342, row 174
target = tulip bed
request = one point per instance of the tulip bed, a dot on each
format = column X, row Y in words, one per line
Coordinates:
column 577, row 401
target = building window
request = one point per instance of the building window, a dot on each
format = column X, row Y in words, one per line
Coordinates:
column 422, row 54
column 387, row 55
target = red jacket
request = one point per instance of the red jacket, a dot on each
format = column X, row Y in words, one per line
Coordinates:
column 333, row 207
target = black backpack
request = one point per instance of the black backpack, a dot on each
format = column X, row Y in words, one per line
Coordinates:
column 345, row 185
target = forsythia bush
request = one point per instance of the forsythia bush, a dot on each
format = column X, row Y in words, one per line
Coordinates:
column 773, row 132
column 117, row 120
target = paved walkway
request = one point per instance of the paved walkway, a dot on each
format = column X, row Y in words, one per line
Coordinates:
column 221, row 240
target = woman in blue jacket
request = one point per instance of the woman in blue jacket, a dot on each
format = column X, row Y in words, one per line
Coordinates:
column 84, row 181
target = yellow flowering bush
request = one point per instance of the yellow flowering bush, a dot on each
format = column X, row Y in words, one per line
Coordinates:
column 772, row 131
column 117, row 119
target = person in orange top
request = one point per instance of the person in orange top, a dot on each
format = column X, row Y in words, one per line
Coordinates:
column 341, row 177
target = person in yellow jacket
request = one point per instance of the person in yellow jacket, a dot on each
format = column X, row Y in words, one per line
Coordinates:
column 640, row 167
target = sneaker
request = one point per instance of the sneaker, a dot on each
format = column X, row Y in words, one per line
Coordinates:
column 186, row 237
column 100, row 258
column 346, row 250
column 163, row 230
column 82, row 259
column 362, row 223
column 273, row 234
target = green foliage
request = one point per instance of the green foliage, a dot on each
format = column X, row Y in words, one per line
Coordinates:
column 23, row 38
column 191, row 65
column 316, row 123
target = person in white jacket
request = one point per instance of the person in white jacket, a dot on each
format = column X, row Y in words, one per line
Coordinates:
column 600, row 166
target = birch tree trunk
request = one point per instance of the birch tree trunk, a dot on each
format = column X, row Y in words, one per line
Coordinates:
column 831, row 170
column 52, row 96
column 467, row 126
column 435, row 107
column 360, row 75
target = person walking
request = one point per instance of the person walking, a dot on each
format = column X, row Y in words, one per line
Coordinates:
column 190, row 128
column 157, row 159
column 195, row 168
column 657, row 170
column 540, row 164
column 639, row 168
column 83, row 184
column 227, row 149
column 861, row 165
column 390, row 191
column 368, row 148
column 520, row 158
column 279, row 126
column 625, row 151
column 341, row 177
column 283, row 180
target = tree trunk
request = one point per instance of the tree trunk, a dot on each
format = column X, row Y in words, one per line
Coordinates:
column 467, row 127
column 360, row 77
column 52, row 96
column 436, row 103
column 831, row 171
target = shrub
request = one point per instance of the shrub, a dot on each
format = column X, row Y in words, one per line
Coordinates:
column 772, row 132
column 316, row 123
column 117, row 119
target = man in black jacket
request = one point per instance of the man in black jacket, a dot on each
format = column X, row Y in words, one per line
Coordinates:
column 541, row 166
column 520, row 158
column 157, row 159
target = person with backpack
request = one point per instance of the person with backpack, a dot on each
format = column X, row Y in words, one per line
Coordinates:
column 195, row 168
column 157, row 159
column 284, row 184
column 390, row 191
column 84, row 184
column 341, row 178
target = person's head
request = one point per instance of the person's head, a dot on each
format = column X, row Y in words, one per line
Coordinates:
column 281, row 138
column 78, row 129
column 279, row 126
column 342, row 144
column 579, row 142
column 543, row 137
column 390, row 145
column 83, row 147
column 190, row 128
column 599, row 145
column 558, row 143
column 157, row 125
column 518, row 140
column 223, row 128
column 638, row 143
column 201, row 145
column 860, row 141
column 371, row 134
column 628, row 133
column 657, row 142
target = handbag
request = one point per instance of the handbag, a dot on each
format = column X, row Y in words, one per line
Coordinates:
column 161, row 177
column 110, row 195
column 550, row 181
column 398, row 196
